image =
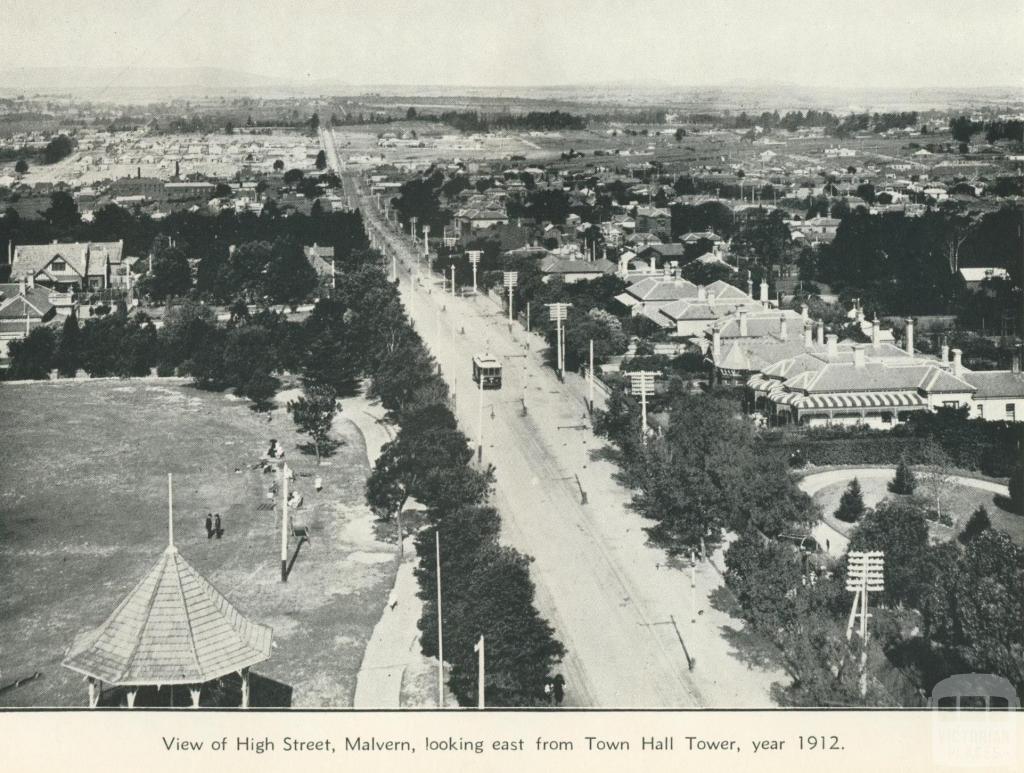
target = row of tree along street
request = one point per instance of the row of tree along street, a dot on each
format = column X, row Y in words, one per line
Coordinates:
column 948, row 608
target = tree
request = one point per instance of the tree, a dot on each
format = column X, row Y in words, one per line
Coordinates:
column 901, row 531
column 32, row 357
column 187, row 328
column 63, row 212
column 21, row 167
column 57, row 149
column 938, row 474
column 321, row 160
column 976, row 524
column 171, row 277
column 292, row 176
column 973, row 609
column 410, row 114
column 222, row 191
column 313, row 414
column 314, row 123
column 278, row 165
column 851, row 504
column 289, row 276
column 68, row 356
column 904, row 481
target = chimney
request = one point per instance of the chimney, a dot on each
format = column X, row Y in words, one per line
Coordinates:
column 833, row 345
column 808, row 335
column 908, row 336
column 716, row 346
column 138, row 173
column 803, row 312
column 821, row 332
column 958, row 367
column 21, row 286
column 231, row 250
column 31, row 281
column 10, row 252
column 750, row 287
column 764, row 292
column 783, row 327
column 702, row 293
column 1015, row 360
column 858, row 355
column 743, row 323
column 945, row 354
column 876, row 330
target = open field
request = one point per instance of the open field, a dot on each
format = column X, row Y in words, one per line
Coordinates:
column 83, row 516
column 958, row 501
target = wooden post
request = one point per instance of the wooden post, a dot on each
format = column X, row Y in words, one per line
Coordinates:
column 131, row 698
column 194, row 692
column 480, row 673
column 590, row 380
column 284, row 523
column 94, row 697
column 245, row 688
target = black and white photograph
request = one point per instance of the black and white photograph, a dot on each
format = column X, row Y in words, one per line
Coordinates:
column 550, row 356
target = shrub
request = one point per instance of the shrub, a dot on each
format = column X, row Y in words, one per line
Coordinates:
column 904, row 482
column 977, row 523
column 1017, row 489
column 851, row 505
column 166, row 369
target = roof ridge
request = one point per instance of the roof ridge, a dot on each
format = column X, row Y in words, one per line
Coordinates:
column 184, row 604
column 128, row 661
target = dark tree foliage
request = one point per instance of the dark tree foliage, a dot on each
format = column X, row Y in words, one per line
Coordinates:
column 904, row 482
column 976, row 524
column 33, row 356
column 68, row 355
column 851, row 504
column 901, row 531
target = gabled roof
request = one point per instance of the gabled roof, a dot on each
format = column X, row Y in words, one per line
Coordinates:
column 873, row 376
column 996, row 383
column 174, row 627
column 35, row 302
column 766, row 324
column 553, row 264
column 84, row 258
column 662, row 288
column 725, row 291
column 671, row 250
column 692, row 237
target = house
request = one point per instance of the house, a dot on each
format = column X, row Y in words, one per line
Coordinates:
column 574, row 270
column 654, row 220
column 658, row 255
column 694, row 317
column 975, row 279
column 69, row 266
column 24, row 306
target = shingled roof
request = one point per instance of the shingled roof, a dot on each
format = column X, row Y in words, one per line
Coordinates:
column 174, row 627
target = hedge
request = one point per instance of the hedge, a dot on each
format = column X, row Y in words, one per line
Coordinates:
column 883, row 449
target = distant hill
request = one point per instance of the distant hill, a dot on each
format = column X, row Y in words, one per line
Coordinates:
column 69, row 79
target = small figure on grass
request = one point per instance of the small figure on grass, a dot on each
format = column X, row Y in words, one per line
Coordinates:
column 217, row 527
column 209, row 525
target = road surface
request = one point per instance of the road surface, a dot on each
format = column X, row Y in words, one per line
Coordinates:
column 629, row 621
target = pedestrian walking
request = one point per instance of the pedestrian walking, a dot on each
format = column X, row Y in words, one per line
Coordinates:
column 548, row 690
column 216, row 526
column 558, row 689
column 209, row 525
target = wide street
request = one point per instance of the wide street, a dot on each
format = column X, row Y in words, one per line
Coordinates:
column 627, row 619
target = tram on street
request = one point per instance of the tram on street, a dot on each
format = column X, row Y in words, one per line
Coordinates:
column 486, row 371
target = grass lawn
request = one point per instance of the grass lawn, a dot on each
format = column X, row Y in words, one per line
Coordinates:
column 958, row 501
column 83, row 516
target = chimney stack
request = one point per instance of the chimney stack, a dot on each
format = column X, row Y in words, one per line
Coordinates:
column 876, row 330
column 858, row 355
column 821, row 332
column 750, row 287
column 945, row 354
column 31, row 281
column 783, row 327
column 743, row 323
column 803, row 312
column 716, row 346
column 764, row 292
column 833, row 345
column 1015, row 360
column 908, row 336
column 21, row 286
column 702, row 293
column 958, row 367
column 808, row 335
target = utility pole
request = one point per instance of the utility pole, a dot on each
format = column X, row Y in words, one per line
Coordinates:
column 480, row 424
column 284, row 522
column 642, row 385
column 440, row 635
column 693, row 588
column 453, row 279
column 590, row 376
column 412, row 228
column 426, row 241
column 865, row 573
column 511, row 280
column 558, row 312
column 474, row 259
column 478, row 648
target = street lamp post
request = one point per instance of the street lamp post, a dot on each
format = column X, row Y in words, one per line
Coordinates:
column 642, row 385
column 426, row 241
column 557, row 313
column 474, row 259
column 480, row 424
column 453, row 279
column 511, row 280
column 412, row 228
column 440, row 633
column 478, row 648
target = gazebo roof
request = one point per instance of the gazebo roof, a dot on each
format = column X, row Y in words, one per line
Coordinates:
column 174, row 627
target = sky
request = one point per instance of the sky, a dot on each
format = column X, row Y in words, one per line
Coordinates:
column 867, row 43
